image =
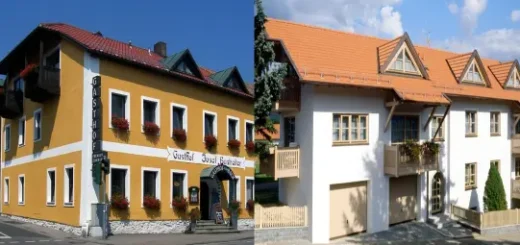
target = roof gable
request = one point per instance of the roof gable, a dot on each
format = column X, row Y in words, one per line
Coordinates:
column 230, row 78
column 389, row 52
column 182, row 62
column 513, row 77
column 502, row 71
column 462, row 65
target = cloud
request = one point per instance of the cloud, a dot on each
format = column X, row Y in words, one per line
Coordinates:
column 501, row 44
column 470, row 12
column 372, row 17
column 515, row 15
column 453, row 7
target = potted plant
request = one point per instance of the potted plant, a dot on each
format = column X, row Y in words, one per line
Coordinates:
column 250, row 146
column 234, row 143
column 118, row 201
column 152, row 203
column 120, row 123
column 234, row 207
column 250, row 205
column 179, row 134
column 194, row 217
column 150, row 128
column 180, row 204
column 431, row 148
column 411, row 149
column 210, row 141
column 29, row 73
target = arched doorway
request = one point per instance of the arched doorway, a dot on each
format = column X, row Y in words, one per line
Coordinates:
column 211, row 191
column 437, row 193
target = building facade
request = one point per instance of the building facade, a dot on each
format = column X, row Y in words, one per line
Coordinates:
column 358, row 107
column 158, row 113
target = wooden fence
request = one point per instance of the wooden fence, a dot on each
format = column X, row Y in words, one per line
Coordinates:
column 493, row 219
column 280, row 217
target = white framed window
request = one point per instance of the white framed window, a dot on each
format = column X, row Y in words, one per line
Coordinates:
column 349, row 128
column 494, row 123
column 514, row 79
column 150, row 183
column 471, row 123
column 473, row 74
column 209, row 124
column 403, row 62
column 237, row 188
column 6, row 190
column 249, row 131
column 178, row 184
column 7, row 137
column 51, row 186
column 119, row 104
column 21, row 189
column 119, row 181
column 179, row 117
column 68, row 185
column 37, row 127
column 471, row 176
column 233, row 131
column 250, row 189
column 21, row 131
column 436, row 121
column 150, row 111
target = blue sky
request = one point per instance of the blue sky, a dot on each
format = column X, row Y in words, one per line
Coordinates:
column 491, row 27
column 219, row 34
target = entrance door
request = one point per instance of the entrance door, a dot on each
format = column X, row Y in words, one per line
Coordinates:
column 204, row 200
column 403, row 195
column 436, row 193
column 348, row 209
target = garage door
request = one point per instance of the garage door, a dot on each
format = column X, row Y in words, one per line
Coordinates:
column 348, row 209
column 403, row 195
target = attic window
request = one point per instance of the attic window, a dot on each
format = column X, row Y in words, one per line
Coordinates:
column 473, row 74
column 403, row 63
column 232, row 83
column 514, row 79
column 184, row 68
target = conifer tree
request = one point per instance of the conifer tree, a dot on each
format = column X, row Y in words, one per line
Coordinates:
column 494, row 193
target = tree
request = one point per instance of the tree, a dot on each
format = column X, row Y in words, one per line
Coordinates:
column 494, row 193
column 268, row 80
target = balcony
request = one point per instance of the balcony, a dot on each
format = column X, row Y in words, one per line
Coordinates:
column 515, row 145
column 290, row 96
column 282, row 163
column 515, row 189
column 11, row 104
column 397, row 163
column 43, row 84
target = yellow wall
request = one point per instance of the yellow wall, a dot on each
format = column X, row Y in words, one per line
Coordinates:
column 36, row 190
column 61, row 117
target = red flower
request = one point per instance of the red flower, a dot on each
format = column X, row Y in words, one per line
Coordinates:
column 234, row 205
column 234, row 143
column 250, row 146
column 180, row 203
column 119, row 202
column 27, row 70
column 210, row 141
column 151, row 202
column 250, row 205
column 120, row 123
column 150, row 128
column 179, row 134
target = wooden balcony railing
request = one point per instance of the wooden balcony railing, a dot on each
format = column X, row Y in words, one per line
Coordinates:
column 515, row 145
column 397, row 163
column 11, row 104
column 515, row 189
column 43, row 85
column 283, row 163
column 290, row 96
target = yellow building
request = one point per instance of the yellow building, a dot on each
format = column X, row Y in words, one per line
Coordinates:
column 47, row 111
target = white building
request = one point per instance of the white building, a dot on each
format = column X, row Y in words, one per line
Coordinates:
column 354, row 100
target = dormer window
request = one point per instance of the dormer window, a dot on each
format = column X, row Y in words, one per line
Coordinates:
column 473, row 74
column 403, row 63
column 514, row 79
column 232, row 83
column 184, row 68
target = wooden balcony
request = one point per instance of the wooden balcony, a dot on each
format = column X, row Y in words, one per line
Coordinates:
column 290, row 97
column 43, row 85
column 515, row 189
column 397, row 163
column 515, row 145
column 11, row 104
column 282, row 163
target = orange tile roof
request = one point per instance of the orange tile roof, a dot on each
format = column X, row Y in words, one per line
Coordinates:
column 328, row 56
column 458, row 63
column 501, row 71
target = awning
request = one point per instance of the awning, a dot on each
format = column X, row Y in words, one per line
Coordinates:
column 429, row 97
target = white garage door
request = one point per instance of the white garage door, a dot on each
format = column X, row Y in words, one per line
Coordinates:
column 348, row 209
column 403, row 195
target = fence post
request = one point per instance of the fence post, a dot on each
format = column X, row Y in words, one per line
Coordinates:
column 306, row 215
column 516, row 215
column 260, row 211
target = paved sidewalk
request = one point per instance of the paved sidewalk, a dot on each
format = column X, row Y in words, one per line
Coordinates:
column 244, row 237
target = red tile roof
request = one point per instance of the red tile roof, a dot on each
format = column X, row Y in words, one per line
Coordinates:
column 127, row 52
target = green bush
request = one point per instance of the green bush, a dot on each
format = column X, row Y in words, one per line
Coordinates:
column 494, row 193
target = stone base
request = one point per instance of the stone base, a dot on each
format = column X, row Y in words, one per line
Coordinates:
column 246, row 224
column 95, row 231
column 163, row 227
column 281, row 235
column 65, row 228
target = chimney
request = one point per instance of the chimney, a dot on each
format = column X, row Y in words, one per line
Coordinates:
column 160, row 48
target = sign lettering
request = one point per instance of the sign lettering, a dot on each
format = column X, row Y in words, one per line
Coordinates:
column 180, row 155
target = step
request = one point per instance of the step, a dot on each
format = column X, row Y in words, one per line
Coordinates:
column 214, row 228
column 211, row 225
column 215, row 232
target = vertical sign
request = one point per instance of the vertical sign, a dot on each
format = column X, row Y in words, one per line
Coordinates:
column 96, row 116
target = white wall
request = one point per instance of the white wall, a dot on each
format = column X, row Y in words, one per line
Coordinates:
column 481, row 149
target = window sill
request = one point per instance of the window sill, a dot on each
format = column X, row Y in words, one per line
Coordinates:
column 51, row 204
column 37, row 140
column 439, row 139
column 21, row 146
column 471, row 135
column 348, row 143
column 467, row 188
column 6, row 203
column 21, row 204
column 494, row 135
column 68, row 205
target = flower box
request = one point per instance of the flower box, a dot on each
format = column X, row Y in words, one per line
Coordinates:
column 150, row 128
column 179, row 134
column 250, row 146
column 180, row 204
column 120, row 123
column 119, row 202
column 234, row 143
column 152, row 203
column 210, row 141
